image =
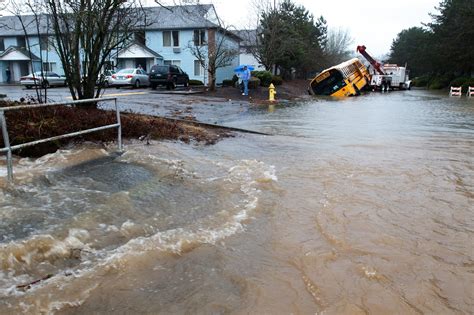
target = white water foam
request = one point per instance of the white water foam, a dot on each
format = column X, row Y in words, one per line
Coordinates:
column 247, row 174
column 25, row 169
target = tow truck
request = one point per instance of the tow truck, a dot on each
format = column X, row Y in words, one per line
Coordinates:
column 396, row 77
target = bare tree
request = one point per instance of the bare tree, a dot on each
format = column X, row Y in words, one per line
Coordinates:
column 87, row 33
column 264, row 52
column 217, row 52
column 337, row 48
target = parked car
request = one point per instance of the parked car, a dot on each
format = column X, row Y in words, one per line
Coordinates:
column 105, row 78
column 130, row 76
column 168, row 75
column 48, row 79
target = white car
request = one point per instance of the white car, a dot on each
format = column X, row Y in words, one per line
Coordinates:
column 130, row 76
column 48, row 79
column 105, row 78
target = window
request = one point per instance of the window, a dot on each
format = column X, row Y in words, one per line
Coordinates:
column 172, row 62
column 49, row 66
column 198, row 69
column 2, row 44
column 44, row 42
column 199, row 37
column 21, row 41
column 140, row 37
column 171, row 38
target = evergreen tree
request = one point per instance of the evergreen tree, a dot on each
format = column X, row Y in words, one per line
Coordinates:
column 291, row 39
column 414, row 48
column 453, row 30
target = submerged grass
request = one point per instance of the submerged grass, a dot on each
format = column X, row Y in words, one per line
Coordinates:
column 40, row 123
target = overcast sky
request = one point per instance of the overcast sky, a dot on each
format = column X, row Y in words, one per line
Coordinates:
column 373, row 23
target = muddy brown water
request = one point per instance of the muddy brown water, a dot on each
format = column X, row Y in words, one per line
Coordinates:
column 355, row 206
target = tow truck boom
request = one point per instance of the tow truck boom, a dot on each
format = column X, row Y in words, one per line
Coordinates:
column 377, row 66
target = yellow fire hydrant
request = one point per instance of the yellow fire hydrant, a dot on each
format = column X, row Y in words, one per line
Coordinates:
column 271, row 93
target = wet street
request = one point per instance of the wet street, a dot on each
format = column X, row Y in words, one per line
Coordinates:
column 355, row 206
column 161, row 102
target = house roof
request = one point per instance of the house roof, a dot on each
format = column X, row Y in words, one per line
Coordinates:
column 179, row 17
column 11, row 25
column 249, row 37
column 137, row 50
column 158, row 17
column 15, row 53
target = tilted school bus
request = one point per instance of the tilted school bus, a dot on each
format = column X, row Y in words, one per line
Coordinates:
column 344, row 79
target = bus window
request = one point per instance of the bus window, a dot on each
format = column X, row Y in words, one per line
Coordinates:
column 330, row 84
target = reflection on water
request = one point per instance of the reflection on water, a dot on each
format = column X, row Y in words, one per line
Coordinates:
column 362, row 205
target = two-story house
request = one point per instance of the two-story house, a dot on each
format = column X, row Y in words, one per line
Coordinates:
column 21, row 54
column 168, row 38
column 248, row 45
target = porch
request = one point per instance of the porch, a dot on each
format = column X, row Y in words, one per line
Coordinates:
column 136, row 55
column 16, row 62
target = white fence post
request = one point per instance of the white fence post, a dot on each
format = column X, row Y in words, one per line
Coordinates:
column 470, row 91
column 455, row 91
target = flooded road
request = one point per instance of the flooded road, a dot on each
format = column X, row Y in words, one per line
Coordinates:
column 356, row 206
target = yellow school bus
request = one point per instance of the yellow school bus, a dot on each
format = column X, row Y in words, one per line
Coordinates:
column 344, row 79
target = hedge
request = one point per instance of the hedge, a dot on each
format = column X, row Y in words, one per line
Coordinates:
column 421, row 81
column 277, row 80
column 195, row 82
column 227, row 83
column 440, row 82
column 265, row 77
column 469, row 82
column 254, row 83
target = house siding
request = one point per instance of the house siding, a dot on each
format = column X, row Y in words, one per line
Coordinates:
column 153, row 40
column 21, row 68
column 9, row 41
column 226, row 73
column 185, row 56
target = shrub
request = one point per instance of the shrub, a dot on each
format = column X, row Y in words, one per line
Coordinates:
column 277, row 80
column 440, row 82
column 195, row 82
column 254, row 83
column 265, row 77
column 421, row 81
column 469, row 82
column 228, row 83
column 458, row 81
column 235, row 78
column 445, row 79
column 436, row 84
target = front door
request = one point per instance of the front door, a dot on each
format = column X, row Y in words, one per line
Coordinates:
column 24, row 68
column 141, row 62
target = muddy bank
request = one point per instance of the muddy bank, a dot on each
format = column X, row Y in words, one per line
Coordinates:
column 29, row 125
column 289, row 90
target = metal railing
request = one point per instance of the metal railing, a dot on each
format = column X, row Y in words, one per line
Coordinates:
column 6, row 139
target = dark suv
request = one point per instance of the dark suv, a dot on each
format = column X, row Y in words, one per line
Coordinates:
column 169, row 75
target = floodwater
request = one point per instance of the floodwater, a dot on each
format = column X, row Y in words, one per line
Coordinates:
column 356, row 206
